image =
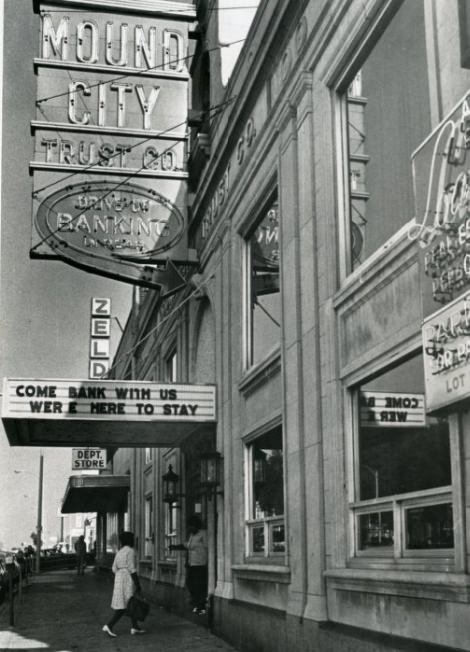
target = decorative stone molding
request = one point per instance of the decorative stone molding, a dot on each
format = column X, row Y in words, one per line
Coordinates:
column 301, row 35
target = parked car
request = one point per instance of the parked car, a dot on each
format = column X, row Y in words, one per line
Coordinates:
column 8, row 563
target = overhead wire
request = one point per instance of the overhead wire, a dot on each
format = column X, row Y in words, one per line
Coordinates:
column 151, row 331
column 143, row 71
column 126, row 354
column 216, row 108
column 176, row 12
column 153, row 136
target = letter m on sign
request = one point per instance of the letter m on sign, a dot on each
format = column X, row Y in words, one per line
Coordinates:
column 55, row 40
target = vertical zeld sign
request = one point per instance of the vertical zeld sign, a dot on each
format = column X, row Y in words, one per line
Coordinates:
column 110, row 135
column 100, row 337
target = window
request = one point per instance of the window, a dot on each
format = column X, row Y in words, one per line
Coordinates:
column 403, row 469
column 148, row 526
column 265, row 527
column 387, row 117
column 171, row 367
column 148, row 456
column 264, row 305
column 171, row 528
column 112, row 529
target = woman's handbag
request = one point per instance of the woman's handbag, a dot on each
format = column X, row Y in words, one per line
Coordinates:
column 138, row 607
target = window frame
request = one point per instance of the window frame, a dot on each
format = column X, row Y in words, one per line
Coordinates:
column 398, row 554
column 270, row 522
column 149, row 525
column 170, row 363
column 339, row 81
column 248, row 357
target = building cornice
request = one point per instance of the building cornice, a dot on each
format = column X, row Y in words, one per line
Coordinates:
column 177, row 10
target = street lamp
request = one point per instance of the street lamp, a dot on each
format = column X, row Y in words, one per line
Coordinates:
column 39, row 520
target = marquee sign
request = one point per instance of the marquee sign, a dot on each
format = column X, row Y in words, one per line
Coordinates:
column 106, row 399
column 104, row 412
column 446, row 353
column 441, row 171
column 109, row 167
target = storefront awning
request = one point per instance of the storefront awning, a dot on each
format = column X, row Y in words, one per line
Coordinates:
column 105, row 413
column 96, row 493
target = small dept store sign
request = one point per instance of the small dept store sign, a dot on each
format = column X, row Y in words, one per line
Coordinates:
column 107, row 400
column 446, row 353
column 386, row 409
column 86, row 459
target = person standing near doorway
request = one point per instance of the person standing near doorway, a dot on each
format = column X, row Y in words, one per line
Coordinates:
column 196, row 563
column 80, row 550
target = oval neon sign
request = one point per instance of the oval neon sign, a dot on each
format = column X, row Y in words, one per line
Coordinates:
column 99, row 220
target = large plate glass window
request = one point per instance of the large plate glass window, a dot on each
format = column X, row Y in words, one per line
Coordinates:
column 264, row 303
column 387, row 117
column 403, row 470
column 265, row 496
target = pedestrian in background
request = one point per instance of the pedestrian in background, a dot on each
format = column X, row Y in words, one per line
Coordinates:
column 80, row 549
column 196, row 563
column 126, row 581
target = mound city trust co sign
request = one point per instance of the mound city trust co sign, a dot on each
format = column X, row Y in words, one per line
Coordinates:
column 110, row 135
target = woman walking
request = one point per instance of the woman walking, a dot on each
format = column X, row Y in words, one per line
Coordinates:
column 126, row 581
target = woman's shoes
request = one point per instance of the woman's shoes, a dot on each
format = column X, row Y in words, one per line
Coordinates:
column 108, row 631
column 134, row 630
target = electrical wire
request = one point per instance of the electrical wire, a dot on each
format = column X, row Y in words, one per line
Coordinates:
column 216, row 108
column 154, row 136
column 194, row 293
column 95, row 203
column 139, row 72
column 151, row 331
column 176, row 12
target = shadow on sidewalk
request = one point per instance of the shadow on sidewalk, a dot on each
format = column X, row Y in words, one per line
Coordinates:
column 63, row 612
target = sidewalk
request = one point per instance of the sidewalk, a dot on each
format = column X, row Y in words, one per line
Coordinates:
column 63, row 612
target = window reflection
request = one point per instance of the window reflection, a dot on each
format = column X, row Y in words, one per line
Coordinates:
column 401, row 450
column 430, row 527
column 265, row 304
column 375, row 530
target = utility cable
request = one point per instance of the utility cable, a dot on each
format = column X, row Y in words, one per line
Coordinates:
column 139, row 72
column 152, row 330
column 195, row 292
column 95, row 203
column 176, row 12
column 215, row 108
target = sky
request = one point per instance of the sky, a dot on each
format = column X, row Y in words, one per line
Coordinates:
column 44, row 305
